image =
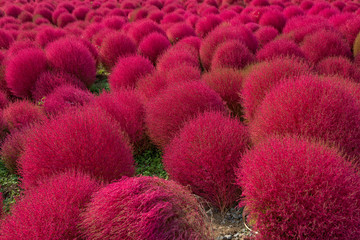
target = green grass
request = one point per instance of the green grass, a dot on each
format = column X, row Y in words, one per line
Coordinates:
column 149, row 163
column 9, row 186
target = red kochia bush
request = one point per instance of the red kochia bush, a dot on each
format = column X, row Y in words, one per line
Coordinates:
column 139, row 30
column 209, row 147
column 85, row 139
column 263, row 76
column 72, row 56
column 22, row 113
column 5, row 39
column 169, row 111
column 325, row 43
column 295, row 189
column 47, row 34
column 23, row 69
column 144, row 208
column 232, row 54
column 341, row 66
column 206, row 24
column 125, row 107
column 179, row 31
column 65, row 97
column 48, row 81
column 113, row 46
column 153, row 45
column 279, row 47
column 128, row 70
column 266, row 34
column 310, row 107
column 51, row 210
column 273, row 18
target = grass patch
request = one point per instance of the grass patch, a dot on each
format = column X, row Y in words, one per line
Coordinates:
column 9, row 186
column 149, row 163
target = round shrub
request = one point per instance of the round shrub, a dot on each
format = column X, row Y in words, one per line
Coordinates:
column 22, row 113
column 114, row 22
column 266, row 34
column 324, row 43
column 47, row 34
column 169, row 111
column 23, row 69
column 174, row 57
column 113, row 46
column 313, row 108
column 292, row 11
column 227, row 83
column 263, row 76
column 5, row 39
column 350, row 29
column 51, row 210
column 206, row 24
column 296, row 189
column 64, row 19
column 151, row 85
column 85, row 139
column 141, row 29
column 153, row 45
column 179, row 31
column 128, row 70
column 65, row 97
column 125, row 107
column 232, row 54
column 341, row 66
column 49, row 80
column 273, row 18
column 279, row 47
column 19, row 45
column 209, row 147
column 144, row 207
column 182, row 73
column 72, row 57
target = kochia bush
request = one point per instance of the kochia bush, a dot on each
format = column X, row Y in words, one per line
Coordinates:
column 341, row 66
column 279, row 47
column 144, row 208
column 208, row 147
column 86, row 139
column 169, row 111
column 51, row 210
column 296, row 189
column 153, row 45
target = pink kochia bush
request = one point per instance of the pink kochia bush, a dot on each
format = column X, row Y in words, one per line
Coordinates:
column 51, row 210
column 144, row 208
column 85, row 139
column 296, row 189
column 66, row 97
column 128, row 70
column 125, row 107
column 341, row 66
column 169, row 111
column 23, row 69
column 73, row 57
column 153, row 45
column 232, row 54
column 313, row 108
column 208, row 147
column 22, row 113
column 279, row 47
column 263, row 76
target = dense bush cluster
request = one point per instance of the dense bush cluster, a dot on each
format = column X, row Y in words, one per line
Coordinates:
column 256, row 101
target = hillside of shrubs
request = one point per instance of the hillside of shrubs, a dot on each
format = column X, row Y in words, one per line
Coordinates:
column 135, row 119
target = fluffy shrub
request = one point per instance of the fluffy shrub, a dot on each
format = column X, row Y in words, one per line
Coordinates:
column 206, row 24
column 182, row 73
column 115, row 45
column 273, row 18
column 174, row 57
column 128, row 70
column 13, row 11
column 324, row 43
column 350, row 29
column 72, row 57
column 153, row 45
column 85, row 139
column 80, row 12
column 23, row 69
column 22, row 113
column 293, row 11
column 65, row 97
column 334, row 115
column 12, row 148
column 169, row 111
column 228, row 84
column 341, row 66
column 151, row 85
column 114, row 22
column 48, row 81
column 141, row 29
column 266, row 34
column 263, row 76
column 179, row 31
column 142, row 208
column 279, row 47
column 48, row 34
column 4, row 101
column 209, row 147
column 64, row 19
column 295, row 189
column 5, row 39
column 125, row 107
column 17, row 46
column 232, row 54
column 221, row 34
column 51, row 210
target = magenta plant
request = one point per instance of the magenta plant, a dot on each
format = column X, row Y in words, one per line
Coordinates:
column 169, row 111
column 175, row 56
column 341, row 66
column 128, row 70
column 313, row 108
column 80, row 12
column 5, row 39
column 207, row 23
column 279, row 47
column 298, row 189
column 51, row 210
column 266, row 34
column 209, row 147
column 179, row 31
column 293, row 11
column 17, row 46
column 85, row 139
column 273, row 18
column 140, row 29
column 144, row 208
column 48, row 34
column 23, row 69
column 153, row 45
